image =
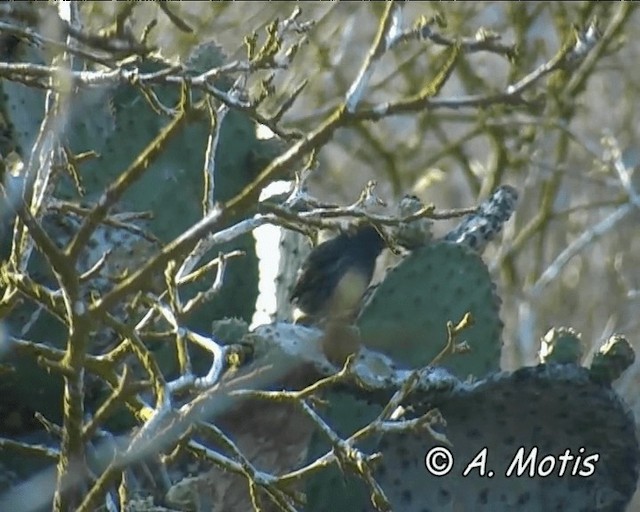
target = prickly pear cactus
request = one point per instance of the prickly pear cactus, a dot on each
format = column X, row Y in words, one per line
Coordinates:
column 121, row 124
column 112, row 251
column 407, row 314
column 613, row 358
column 294, row 247
column 533, row 415
column 406, row 318
column 412, row 234
column 479, row 228
column 176, row 179
column 561, row 345
column 118, row 124
column 229, row 330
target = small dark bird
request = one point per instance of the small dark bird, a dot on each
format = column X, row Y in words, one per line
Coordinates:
column 335, row 276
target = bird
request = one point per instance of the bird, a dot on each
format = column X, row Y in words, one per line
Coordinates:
column 335, row 275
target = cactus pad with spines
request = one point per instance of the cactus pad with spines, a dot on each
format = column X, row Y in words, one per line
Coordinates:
column 121, row 124
column 477, row 229
column 118, row 124
column 229, row 330
column 553, row 408
column 613, row 358
column 415, row 233
column 406, row 316
column 561, row 345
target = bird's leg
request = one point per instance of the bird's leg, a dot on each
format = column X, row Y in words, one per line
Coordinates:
column 341, row 339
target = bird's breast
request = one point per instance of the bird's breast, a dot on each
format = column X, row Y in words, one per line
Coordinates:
column 348, row 293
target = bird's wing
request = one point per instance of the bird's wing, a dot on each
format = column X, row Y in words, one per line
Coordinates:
column 321, row 265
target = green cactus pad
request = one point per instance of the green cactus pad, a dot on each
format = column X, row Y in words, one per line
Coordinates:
column 229, row 330
column 553, row 408
column 406, row 318
column 406, row 315
column 416, row 233
column 478, row 229
column 613, row 358
column 561, row 345
column 118, row 123
column 121, row 124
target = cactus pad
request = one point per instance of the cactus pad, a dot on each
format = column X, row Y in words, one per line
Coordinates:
column 561, row 345
column 407, row 314
column 553, row 408
column 416, row 233
column 479, row 228
column 614, row 357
